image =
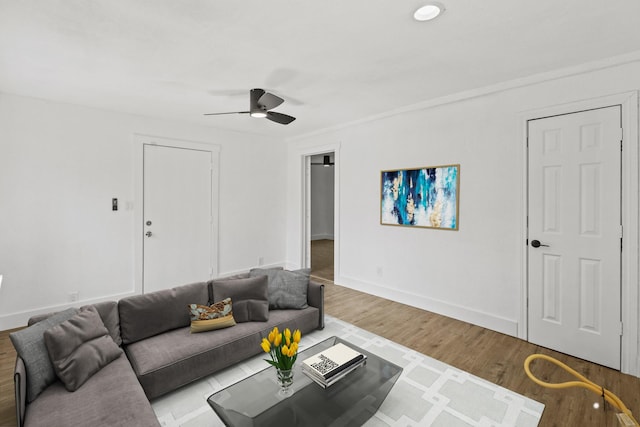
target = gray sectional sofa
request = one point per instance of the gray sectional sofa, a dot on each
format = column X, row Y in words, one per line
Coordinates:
column 159, row 353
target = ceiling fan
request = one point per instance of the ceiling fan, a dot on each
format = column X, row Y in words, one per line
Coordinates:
column 260, row 104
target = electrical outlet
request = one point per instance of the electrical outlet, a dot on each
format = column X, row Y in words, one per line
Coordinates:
column 260, row 261
column 74, row 296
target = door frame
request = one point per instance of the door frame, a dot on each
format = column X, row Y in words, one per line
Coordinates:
column 305, row 205
column 139, row 141
column 629, row 304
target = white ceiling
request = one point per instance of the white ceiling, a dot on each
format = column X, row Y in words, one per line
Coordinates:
column 333, row 61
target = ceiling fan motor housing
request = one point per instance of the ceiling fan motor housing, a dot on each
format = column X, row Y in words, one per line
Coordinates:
column 255, row 109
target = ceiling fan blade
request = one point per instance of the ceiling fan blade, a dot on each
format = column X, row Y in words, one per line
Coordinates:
column 269, row 101
column 221, row 114
column 283, row 119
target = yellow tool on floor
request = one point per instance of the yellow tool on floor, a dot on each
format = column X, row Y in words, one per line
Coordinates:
column 625, row 418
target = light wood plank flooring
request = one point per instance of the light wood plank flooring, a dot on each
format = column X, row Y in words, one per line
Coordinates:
column 322, row 259
column 487, row 354
column 490, row 355
column 7, row 363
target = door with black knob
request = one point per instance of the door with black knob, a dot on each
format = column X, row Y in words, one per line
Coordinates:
column 574, row 250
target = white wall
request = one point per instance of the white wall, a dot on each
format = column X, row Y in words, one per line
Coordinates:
column 474, row 274
column 60, row 166
column 322, row 200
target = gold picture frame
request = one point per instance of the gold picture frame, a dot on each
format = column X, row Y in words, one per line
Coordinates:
column 427, row 197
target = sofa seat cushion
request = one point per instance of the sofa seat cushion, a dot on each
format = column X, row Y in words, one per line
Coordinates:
column 112, row 397
column 173, row 359
column 306, row 319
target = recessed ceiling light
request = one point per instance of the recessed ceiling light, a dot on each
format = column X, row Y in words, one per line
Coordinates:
column 428, row 12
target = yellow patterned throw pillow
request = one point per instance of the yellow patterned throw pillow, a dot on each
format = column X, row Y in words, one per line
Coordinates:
column 210, row 317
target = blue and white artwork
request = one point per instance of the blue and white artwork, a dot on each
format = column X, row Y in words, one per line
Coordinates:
column 426, row 197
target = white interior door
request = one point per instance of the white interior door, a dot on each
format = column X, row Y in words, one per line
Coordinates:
column 177, row 216
column 575, row 233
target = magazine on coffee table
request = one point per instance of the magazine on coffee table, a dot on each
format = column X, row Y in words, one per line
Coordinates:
column 332, row 364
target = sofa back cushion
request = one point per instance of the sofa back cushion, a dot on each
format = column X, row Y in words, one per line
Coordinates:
column 233, row 277
column 108, row 311
column 250, row 297
column 143, row 316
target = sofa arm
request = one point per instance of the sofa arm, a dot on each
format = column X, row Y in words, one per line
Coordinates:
column 315, row 298
column 20, row 387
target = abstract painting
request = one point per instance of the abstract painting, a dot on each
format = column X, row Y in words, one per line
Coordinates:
column 426, row 197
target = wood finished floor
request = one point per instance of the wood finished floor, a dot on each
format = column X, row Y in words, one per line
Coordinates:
column 487, row 354
column 490, row 355
column 322, row 259
column 7, row 363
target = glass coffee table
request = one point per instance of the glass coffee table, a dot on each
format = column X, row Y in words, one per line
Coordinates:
column 351, row 401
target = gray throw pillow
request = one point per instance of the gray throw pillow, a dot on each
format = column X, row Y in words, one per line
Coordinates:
column 80, row 347
column 287, row 289
column 249, row 296
column 30, row 346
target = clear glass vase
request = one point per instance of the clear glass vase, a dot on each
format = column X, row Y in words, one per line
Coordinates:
column 285, row 380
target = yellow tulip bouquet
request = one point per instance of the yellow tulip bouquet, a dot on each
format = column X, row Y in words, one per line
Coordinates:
column 283, row 348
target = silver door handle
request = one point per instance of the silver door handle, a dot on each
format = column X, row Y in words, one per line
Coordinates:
column 148, row 234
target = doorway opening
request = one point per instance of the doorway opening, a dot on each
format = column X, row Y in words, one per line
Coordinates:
column 322, row 209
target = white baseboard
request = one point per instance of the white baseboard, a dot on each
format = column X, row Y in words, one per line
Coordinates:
column 486, row 320
column 20, row 318
column 465, row 314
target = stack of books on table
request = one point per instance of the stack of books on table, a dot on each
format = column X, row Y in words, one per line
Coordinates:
column 332, row 364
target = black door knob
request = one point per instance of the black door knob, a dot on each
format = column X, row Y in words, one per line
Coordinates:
column 537, row 244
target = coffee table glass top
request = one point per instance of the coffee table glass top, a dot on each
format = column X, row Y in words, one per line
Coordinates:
column 352, row 400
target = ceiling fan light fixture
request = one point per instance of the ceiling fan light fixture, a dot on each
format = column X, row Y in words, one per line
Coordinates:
column 428, row 12
column 260, row 105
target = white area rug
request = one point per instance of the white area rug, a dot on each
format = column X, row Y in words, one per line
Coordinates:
column 428, row 393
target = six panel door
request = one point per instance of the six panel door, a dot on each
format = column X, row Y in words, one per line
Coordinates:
column 574, row 250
